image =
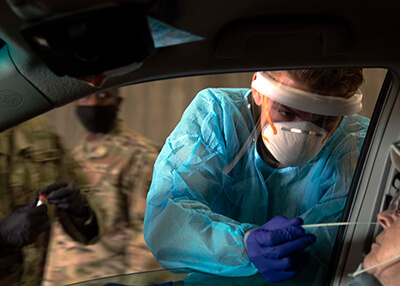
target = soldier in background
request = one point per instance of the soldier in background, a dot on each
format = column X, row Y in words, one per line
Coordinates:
column 119, row 163
column 32, row 157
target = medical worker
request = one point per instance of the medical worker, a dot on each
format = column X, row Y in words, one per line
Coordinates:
column 245, row 168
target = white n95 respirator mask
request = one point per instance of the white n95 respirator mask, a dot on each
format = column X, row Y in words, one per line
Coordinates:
column 294, row 143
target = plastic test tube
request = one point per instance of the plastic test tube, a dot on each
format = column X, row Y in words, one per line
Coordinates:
column 42, row 199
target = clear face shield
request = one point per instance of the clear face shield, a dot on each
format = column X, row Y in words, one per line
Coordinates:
column 295, row 123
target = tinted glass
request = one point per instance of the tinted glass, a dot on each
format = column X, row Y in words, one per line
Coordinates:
column 214, row 180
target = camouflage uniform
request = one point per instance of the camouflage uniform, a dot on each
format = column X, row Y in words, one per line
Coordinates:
column 31, row 157
column 120, row 167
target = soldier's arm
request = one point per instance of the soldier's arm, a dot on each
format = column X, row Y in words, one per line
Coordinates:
column 84, row 228
column 139, row 180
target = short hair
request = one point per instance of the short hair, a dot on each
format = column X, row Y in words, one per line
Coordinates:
column 339, row 82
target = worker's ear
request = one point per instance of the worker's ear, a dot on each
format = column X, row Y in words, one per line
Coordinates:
column 257, row 96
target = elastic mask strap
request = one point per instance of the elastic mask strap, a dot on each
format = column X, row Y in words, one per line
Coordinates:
column 269, row 120
column 331, row 132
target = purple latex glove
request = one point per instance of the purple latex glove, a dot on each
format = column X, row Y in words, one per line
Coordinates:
column 277, row 248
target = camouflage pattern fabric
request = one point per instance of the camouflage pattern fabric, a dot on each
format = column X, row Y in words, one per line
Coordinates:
column 32, row 156
column 119, row 166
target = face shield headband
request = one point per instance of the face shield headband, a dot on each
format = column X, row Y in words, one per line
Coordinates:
column 307, row 101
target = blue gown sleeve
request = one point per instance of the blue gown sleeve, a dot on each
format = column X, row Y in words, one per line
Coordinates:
column 180, row 228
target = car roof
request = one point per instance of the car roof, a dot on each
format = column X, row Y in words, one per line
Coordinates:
column 238, row 36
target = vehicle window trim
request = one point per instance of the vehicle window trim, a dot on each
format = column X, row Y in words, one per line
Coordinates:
column 355, row 184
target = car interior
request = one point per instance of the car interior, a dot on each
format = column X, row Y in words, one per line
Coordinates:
column 55, row 52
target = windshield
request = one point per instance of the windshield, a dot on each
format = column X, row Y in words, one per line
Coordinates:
column 183, row 175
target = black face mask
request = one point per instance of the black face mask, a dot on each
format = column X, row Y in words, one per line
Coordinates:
column 98, row 118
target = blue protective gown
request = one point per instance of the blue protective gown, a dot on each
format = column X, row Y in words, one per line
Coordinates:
column 210, row 186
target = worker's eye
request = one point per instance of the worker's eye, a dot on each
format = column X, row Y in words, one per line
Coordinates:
column 286, row 113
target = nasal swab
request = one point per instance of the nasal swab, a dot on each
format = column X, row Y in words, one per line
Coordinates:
column 372, row 267
column 335, row 224
column 353, row 223
column 41, row 200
